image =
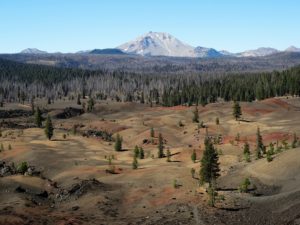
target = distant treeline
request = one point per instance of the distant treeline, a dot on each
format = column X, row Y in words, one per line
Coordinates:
column 24, row 82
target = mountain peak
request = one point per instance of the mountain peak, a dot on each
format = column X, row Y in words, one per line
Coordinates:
column 158, row 44
column 292, row 49
column 32, row 51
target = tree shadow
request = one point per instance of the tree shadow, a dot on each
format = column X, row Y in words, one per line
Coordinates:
column 176, row 153
column 59, row 140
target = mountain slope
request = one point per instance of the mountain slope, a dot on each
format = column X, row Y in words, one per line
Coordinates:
column 258, row 52
column 292, row 49
column 158, row 44
column 203, row 52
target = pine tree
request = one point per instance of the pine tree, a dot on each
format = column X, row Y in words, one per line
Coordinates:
column 237, row 112
column 141, row 153
column 193, row 171
column 168, row 155
column 209, row 163
column 212, row 193
column 246, row 148
column 259, row 144
column 91, row 104
column 38, row 117
column 118, row 143
column 295, row 141
column 196, row 115
column 194, row 156
column 32, row 105
column 160, row 146
column 78, row 100
column 246, row 152
column 49, row 128
column 152, row 132
column 271, row 149
column 142, row 98
column 136, row 151
column 135, row 163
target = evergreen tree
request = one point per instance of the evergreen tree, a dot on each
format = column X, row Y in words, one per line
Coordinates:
column 135, row 163
column 269, row 156
column 118, row 143
column 91, row 104
column 136, row 151
column 295, row 141
column 193, row 171
column 78, row 100
column 212, row 193
column 209, row 163
column 160, row 146
column 32, row 105
column 141, row 153
column 237, row 112
column 142, row 98
column 152, row 132
column 38, row 117
column 49, row 128
column 168, row 155
column 194, row 156
column 196, row 115
column 246, row 152
column 271, row 149
column 246, row 148
column 259, row 144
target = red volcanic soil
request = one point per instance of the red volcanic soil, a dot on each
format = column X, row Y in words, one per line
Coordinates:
column 277, row 102
column 277, row 136
column 173, row 108
column 274, row 136
column 255, row 111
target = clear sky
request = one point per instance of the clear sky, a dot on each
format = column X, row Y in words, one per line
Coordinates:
column 72, row 25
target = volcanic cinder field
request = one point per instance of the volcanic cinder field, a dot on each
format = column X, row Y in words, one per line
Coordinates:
column 76, row 183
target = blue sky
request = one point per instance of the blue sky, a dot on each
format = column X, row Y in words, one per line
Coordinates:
column 72, row 25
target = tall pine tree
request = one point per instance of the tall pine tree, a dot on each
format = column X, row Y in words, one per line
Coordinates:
column 49, row 128
column 38, row 117
column 260, row 148
column 237, row 112
column 209, row 163
column 160, row 146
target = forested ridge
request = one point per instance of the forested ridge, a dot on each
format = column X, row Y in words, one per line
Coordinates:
column 22, row 82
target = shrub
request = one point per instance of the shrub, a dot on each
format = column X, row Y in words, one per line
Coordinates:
column 244, row 185
column 269, row 156
column 175, row 184
column 22, row 167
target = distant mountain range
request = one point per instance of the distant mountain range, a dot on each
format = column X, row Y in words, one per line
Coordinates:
column 164, row 44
